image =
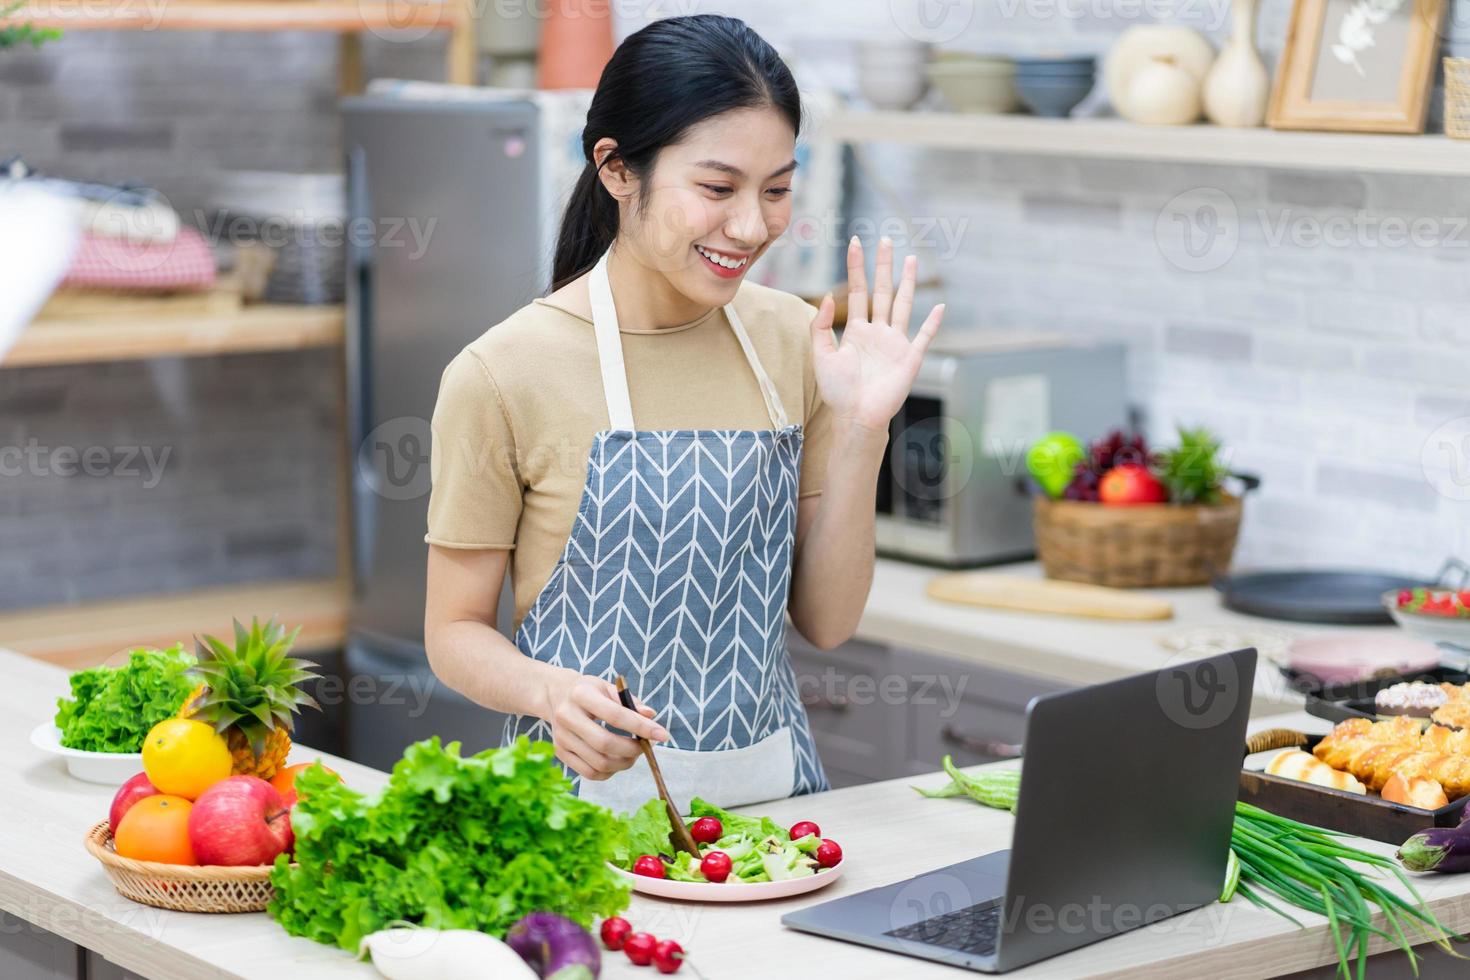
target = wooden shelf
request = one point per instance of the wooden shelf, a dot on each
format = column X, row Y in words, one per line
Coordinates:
column 261, row 15
column 1119, row 139
column 135, row 336
column 86, row 634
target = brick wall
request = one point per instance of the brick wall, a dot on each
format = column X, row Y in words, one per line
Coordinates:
column 1329, row 368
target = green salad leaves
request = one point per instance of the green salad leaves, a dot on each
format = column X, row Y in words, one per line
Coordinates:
column 450, row 843
column 112, row 708
column 759, row 849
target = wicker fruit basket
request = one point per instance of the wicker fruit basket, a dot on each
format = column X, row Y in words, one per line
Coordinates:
column 1149, row 545
column 182, row 888
column 1457, row 97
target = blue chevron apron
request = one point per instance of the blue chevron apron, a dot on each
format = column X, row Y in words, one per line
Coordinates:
column 676, row 576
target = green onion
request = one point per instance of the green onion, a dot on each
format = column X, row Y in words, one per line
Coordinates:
column 1301, row 865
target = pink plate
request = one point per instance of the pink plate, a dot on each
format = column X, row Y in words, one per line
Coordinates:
column 704, row 891
column 1345, row 657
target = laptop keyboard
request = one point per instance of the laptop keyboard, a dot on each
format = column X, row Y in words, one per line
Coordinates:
column 972, row 929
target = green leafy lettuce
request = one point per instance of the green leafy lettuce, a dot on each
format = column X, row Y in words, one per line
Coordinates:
column 759, row 849
column 450, row 843
column 111, row 709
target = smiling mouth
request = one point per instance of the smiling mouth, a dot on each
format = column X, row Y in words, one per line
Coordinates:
column 723, row 265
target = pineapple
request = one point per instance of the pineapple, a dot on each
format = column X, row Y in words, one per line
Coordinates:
column 249, row 694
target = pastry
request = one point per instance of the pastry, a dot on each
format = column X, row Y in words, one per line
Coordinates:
column 1296, row 764
column 1376, row 751
column 1414, row 698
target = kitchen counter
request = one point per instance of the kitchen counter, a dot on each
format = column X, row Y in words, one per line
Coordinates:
column 1069, row 648
column 48, row 879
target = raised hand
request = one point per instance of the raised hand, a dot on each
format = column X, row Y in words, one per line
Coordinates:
column 866, row 379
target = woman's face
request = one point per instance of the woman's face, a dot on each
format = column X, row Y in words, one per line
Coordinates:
column 715, row 202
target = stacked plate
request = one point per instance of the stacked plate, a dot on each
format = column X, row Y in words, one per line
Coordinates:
column 1052, row 86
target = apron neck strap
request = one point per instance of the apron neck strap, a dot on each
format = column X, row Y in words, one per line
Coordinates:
column 615, row 372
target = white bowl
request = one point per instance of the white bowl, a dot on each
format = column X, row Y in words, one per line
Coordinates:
column 893, row 88
column 705, row 891
column 1426, row 626
column 107, row 768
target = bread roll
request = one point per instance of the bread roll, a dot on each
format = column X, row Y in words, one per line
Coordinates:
column 1296, row 764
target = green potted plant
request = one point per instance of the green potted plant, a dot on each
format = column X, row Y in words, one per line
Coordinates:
column 14, row 33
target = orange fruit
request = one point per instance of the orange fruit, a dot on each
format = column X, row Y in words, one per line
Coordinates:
column 183, row 757
column 156, row 829
column 285, row 779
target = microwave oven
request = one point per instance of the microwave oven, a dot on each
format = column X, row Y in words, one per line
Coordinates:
column 954, row 489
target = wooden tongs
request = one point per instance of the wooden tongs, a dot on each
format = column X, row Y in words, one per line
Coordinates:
column 679, row 837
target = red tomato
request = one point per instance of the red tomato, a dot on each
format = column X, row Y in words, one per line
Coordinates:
column 706, row 830
column 828, row 853
column 639, row 948
column 715, row 866
column 668, row 956
column 614, row 931
column 649, row 865
column 1131, row 483
column 803, row 827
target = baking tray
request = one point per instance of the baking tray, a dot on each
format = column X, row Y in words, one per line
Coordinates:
column 1340, row 702
column 1312, row 688
column 1368, row 816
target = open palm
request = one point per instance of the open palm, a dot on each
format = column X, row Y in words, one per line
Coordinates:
column 866, row 379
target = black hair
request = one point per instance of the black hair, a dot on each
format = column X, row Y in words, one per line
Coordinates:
column 661, row 81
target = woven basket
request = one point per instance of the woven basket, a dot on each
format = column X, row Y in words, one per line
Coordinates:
column 1150, row 545
column 1457, row 97
column 181, row 887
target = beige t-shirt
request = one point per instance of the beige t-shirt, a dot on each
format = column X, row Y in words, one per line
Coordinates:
column 519, row 406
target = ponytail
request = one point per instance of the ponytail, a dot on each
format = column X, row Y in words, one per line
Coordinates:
column 587, row 229
column 661, row 81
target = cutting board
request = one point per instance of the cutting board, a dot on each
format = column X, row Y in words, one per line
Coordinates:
column 1046, row 596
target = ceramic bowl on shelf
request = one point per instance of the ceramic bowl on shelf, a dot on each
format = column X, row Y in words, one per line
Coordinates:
column 1037, row 66
column 891, row 73
column 979, row 85
column 1053, row 96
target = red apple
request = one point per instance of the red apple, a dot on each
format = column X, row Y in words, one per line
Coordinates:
column 241, row 820
column 1131, row 483
column 135, row 789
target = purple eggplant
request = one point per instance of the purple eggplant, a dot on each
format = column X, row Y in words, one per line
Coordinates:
column 1442, row 849
column 555, row 947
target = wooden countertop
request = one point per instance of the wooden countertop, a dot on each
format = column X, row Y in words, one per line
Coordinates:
column 1069, row 648
column 47, row 878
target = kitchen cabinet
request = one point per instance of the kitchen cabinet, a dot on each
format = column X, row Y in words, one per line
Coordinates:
column 103, row 969
column 879, row 712
column 28, row 952
column 975, row 714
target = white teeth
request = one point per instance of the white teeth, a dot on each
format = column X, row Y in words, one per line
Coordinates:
column 722, row 260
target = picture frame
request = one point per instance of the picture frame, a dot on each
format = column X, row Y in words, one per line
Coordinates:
column 1357, row 66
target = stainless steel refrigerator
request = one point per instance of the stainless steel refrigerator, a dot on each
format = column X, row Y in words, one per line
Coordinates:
column 445, row 239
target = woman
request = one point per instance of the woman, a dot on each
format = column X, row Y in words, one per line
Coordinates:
column 677, row 459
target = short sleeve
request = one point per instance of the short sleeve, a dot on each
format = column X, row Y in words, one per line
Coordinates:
column 476, row 496
column 816, row 443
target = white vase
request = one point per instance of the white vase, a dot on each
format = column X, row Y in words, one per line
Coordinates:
column 1237, row 87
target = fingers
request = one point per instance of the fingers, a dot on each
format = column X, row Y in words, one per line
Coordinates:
column 883, row 282
column 823, row 340
column 575, row 762
column 926, row 333
column 601, row 702
column 608, row 749
column 903, row 303
column 857, row 282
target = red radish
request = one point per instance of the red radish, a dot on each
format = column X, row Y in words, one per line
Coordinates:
column 715, row 866
column 640, row 947
column 668, row 956
column 649, row 866
column 803, row 828
column 614, row 931
column 706, row 830
column 828, row 853
column 135, row 789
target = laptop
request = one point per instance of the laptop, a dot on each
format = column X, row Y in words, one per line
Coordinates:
column 1126, row 804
